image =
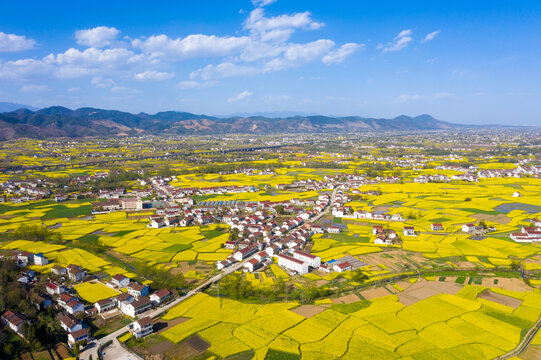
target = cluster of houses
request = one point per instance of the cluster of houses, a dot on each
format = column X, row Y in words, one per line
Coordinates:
column 249, row 172
column 384, row 236
column 261, row 232
column 25, row 258
column 423, row 179
column 344, row 181
column 528, row 234
column 133, row 302
column 26, row 190
column 477, row 230
column 473, row 175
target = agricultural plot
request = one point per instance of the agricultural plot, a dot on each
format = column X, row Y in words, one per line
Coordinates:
column 438, row 325
column 94, row 291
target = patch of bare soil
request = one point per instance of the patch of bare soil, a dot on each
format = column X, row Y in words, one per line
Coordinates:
column 183, row 268
column 532, row 352
column 374, row 293
column 308, row 310
column 423, row 289
column 162, row 325
column 62, row 351
column 499, row 219
column 197, row 343
column 405, row 284
column 500, row 299
column 346, row 299
column 161, row 347
column 513, row 284
column 42, row 355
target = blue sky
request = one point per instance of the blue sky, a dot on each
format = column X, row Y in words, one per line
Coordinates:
column 460, row 61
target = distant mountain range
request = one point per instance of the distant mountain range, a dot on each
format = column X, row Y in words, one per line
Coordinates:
column 59, row 121
column 7, row 106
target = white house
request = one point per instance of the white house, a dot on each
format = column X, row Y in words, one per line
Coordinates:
column 160, row 296
column 104, row 305
column 251, row 265
column 69, row 324
column 468, row 228
column 333, row 230
column 141, row 328
column 409, row 231
column 54, row 289
column 436, row 227
column 342, row 267
column 293, row 264
column 120, row 281
column 40, row 260
column 246, row 252
column 260, row 256
column 312, row 260
column 137, row 307
column 316, row 229
column 137, row 290
column 517, row 194
column 74, row 307
column 14, row 321
column 77, row 337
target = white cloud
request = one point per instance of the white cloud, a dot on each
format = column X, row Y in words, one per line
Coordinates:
column 240, row 96
column 278, row 28
column 406, row 97
column 298, row 54
column 223, row 70
column 93, row 56
column 14, row 43
column 97, row 37
column 261, row 3
column 443, row 95
column 124, row 90
column 34, row 88
column 108, row 59
column 189, row 84
column 339, row 55
column 432, row 60
column 431, row 36
column 100, row 82
column 153, row 75
column 24, row 69
column 401, row 41
column 75, row 63
column 191, row 46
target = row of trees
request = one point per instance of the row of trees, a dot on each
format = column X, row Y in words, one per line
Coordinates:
column 160, row 278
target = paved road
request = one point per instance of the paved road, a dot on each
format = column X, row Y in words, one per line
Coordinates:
column 115, row 351
column 526, row 340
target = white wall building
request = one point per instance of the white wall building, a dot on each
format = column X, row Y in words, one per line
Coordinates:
column 293, row 264
column 312, row 260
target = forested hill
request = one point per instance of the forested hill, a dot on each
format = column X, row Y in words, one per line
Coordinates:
column 59, row 121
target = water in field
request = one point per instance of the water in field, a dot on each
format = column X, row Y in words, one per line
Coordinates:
column 508, row 207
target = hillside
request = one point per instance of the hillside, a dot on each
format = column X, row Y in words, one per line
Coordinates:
column 59, row 121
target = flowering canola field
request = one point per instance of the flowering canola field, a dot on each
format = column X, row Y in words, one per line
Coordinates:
column 442, row 326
